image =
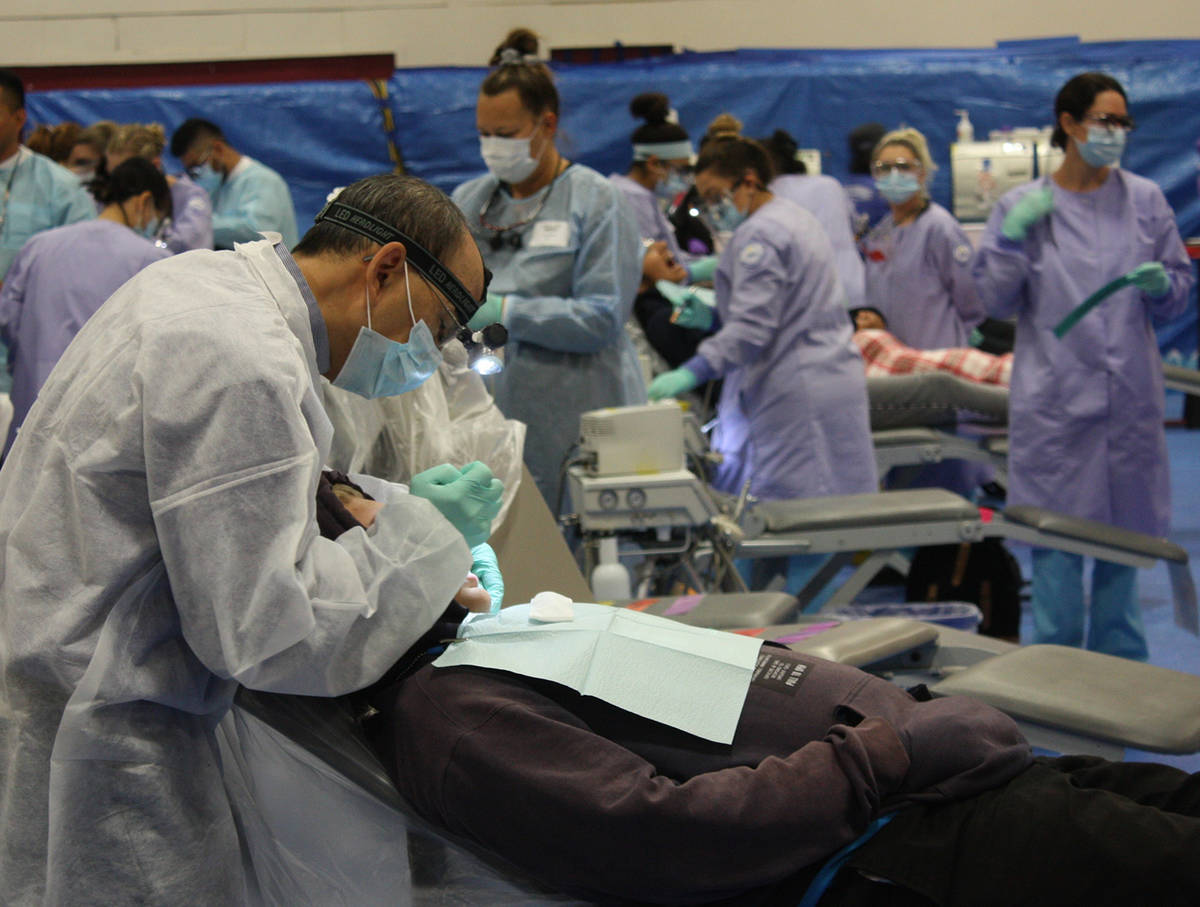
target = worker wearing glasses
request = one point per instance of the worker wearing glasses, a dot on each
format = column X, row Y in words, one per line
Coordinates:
column 1086, row 411
column 918, row 258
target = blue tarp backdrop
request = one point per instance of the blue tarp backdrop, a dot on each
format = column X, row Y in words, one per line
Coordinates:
column 325, row 134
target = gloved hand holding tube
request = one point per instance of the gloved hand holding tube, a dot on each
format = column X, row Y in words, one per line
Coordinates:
column 1032, row 207
column 1151, row 278
column 469, row 498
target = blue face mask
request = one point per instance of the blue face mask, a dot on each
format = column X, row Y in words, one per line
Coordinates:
column 1103, row 148
column 673, row 186
column 898, row 187
column 725, row 215
column 379, row 367
column 150, row 230
column 206, row 177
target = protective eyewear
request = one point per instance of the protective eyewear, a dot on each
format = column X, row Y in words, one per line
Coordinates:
column 194, row 169
column 481, row 345
column 883, row 168
column 1111, row 122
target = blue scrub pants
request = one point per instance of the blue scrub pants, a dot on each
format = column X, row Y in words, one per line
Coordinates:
column 1114, row 619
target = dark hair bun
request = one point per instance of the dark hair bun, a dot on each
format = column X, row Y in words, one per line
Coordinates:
column 652, row 106
column 522, row 40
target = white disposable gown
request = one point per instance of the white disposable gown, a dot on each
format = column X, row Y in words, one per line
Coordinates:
column 158, row 547
column 570, row 289
column 825, row 199
column 793, row 410
column 919, row 276
column 1086, row 411
column 252, row 198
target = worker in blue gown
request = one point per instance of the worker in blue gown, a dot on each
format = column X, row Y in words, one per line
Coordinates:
column 660, row 175
column 792, row 417
column 824, row 198
column 918, row 259
column 35, row 193
column 61, row 277
column 1086, row 411
column 565, row 255
column 248, row 197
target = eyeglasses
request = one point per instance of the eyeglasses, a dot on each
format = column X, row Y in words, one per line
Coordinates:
column 1111, row 122
column 883, row 168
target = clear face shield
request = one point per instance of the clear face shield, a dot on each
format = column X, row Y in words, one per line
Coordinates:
column 481, row 345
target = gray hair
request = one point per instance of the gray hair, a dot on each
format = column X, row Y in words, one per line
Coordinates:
column 412, row 206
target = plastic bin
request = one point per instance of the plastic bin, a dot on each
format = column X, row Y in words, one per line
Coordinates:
column 958, row 615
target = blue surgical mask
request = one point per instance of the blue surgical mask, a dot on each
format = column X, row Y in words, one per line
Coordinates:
column 151, row 228
column 206, row 177
column 725, row 216
column 673, row 186
column 1103, row 148
column 379, row 367
column 898, row 187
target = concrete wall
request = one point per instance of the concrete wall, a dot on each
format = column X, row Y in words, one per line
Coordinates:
column 463, row 32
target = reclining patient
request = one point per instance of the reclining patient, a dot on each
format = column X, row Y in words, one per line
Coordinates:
column 606, row 805
column 885, row 354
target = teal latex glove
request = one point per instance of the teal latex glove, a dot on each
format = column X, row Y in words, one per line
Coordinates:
column 703, row 268
column 697, row 310
column 1151, row 278
column 672, row 384
column 488, row 313
column 485, row 566
column 469, row 498
column 1032, row 207
column 672, row 292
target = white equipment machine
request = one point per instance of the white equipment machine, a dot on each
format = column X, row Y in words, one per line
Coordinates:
column 981, row 172
column 672, row 513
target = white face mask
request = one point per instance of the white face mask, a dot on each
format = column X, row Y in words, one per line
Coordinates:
column 509, row 160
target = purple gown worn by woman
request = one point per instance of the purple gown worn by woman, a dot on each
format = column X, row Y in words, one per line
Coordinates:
column 825, row 199
column 57, row 282
column 793, row 409
column 919, row 276
column 1086, row 411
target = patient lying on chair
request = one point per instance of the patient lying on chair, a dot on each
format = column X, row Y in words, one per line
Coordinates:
column 884, row 354
column 604, row 804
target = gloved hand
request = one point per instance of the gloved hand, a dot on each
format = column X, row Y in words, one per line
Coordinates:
column 490, row 312
column 1032, row 207
column 697, row 310
column 703, row 268
column 672, row 384
column 1151, row 278
column 469, row 499
column 672, row 292
column 487, row 568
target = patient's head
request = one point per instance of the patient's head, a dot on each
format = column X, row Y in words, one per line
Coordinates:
column 867, row 318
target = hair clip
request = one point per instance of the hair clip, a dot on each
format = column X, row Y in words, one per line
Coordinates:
column 510, row 56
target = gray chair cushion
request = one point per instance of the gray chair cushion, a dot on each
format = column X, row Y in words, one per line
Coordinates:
column 1126, row 702
column 1090, row 530
column 720, row 611
column 855, row 511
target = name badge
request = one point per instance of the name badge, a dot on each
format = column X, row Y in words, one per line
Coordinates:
column 553, row 233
